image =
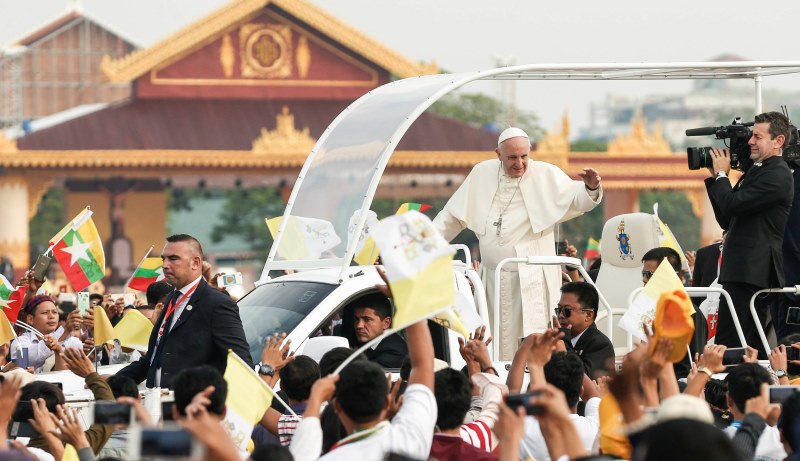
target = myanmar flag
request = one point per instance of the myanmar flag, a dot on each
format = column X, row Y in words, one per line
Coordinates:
column 11, row 298
column 149, row 271
column 421, row 207
column 592, row 249
column 79, row 251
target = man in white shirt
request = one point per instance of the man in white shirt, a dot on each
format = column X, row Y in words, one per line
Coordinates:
column 744, row 382
column 565, row 371
column 362, row 399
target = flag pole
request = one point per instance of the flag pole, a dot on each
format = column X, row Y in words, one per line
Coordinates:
column 125, row 290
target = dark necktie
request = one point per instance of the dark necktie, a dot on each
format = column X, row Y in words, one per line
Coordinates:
column 167, row 326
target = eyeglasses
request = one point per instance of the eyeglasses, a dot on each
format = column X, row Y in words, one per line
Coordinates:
column 647, row 274
column 567, row 310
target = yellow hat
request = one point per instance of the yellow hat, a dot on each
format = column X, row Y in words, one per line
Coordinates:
column 674, row 321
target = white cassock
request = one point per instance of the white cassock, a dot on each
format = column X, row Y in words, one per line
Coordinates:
column 516, row 217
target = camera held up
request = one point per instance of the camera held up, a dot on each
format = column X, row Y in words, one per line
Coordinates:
column 739, row 134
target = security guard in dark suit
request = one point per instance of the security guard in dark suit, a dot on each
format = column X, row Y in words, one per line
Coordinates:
column 754, row 212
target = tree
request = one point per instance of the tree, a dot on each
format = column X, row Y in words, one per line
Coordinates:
column 48, row 221
column 480, row 111
column 589, row 145
column 244, row 215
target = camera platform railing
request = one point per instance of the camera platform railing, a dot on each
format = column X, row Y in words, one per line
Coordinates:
column 696, row 292
column 543, row 261
column 764, row 343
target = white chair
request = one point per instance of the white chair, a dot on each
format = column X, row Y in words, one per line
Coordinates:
column 626, row 238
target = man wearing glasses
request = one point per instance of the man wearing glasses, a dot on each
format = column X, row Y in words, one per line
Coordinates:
column 577, row 311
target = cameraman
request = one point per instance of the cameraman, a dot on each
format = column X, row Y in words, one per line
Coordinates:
column 791, row 263
column 754, row 212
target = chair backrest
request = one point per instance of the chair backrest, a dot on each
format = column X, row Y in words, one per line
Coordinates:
column 626, row 238
column 317, row 346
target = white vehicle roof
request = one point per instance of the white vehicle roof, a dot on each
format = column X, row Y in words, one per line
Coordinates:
column 327, row 209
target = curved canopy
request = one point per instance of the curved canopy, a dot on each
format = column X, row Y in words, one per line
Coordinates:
column 329, row 205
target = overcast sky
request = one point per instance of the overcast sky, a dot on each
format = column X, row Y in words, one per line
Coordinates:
column 466, row 35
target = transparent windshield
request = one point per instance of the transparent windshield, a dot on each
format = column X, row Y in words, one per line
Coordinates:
column 278, row 307
column 349, row 158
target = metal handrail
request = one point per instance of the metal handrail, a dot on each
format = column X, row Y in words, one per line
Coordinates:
column 794, row 290
column 543, row 261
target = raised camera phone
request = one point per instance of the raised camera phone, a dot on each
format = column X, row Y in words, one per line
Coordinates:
column 229, row 280
column 127, row 298
column 793, row 315
column 561, row 247
column 792, row 353
column 733, row 356
column 778, row 394
column 83, row 302
column 523, row 400
column 112, row 413
column 40, row 268
column 22, row 429
column 164, row 442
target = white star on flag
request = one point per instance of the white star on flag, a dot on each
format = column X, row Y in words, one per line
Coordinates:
column 160, row 272
column 78, row 251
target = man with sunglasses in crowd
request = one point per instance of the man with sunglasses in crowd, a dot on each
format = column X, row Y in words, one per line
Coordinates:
column 576, row 313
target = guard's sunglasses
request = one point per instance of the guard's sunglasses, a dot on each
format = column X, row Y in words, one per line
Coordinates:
column 647, row 274
column 566, row 311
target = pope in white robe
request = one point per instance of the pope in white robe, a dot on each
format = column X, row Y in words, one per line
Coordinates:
column 513, row 205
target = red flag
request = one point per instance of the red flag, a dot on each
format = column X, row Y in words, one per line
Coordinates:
column 15, row 303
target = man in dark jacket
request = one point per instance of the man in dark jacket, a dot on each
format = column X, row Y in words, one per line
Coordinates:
column 577, row 310
column 754, row 212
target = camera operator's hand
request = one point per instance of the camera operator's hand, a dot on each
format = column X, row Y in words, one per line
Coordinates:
column 721, row 160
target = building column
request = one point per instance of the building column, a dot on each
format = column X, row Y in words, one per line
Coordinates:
column 14, row 230
column 619, row 201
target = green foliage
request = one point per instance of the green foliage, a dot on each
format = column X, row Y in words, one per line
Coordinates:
column 480, row 110
column 48, row 221
column 676, row 212
column 244, row 214
column 577, row 231
column 589, row 145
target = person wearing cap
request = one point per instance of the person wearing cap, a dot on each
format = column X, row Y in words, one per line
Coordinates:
column 513, row 205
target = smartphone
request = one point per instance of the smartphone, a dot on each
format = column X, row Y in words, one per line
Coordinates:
column 733, row 356
column 166, row 411
column 778, row 394
column 21, row 357
column 523, row 400
column 112, row 413
column 227, row 280
column 164, row 442
column 22, row 429
column 40, row 268
column 793, row 315
column 561, row 247
column 792, row 353
column 83, row 302
column 127, row 298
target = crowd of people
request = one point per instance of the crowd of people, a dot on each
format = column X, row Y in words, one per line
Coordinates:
column 565, row 395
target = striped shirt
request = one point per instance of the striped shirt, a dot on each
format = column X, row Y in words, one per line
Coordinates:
column 477, row 434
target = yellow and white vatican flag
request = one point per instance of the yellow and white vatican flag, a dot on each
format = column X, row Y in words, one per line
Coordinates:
column 366, row 251
column 303, row 238
column 643, row 308
column 134, row 330
column 667, row 239
column 248, row 399
column 418, row 263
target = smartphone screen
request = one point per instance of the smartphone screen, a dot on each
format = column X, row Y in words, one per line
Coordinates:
column 778, row 394
column 523, row 400
column 733, row 356
column 112, row 413
column 792, row 353
column 561, row 247
column 166, row 442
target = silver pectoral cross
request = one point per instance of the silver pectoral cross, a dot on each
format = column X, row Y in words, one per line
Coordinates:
column 498, row 224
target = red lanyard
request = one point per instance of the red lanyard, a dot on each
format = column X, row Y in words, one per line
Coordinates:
column 174, row 305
